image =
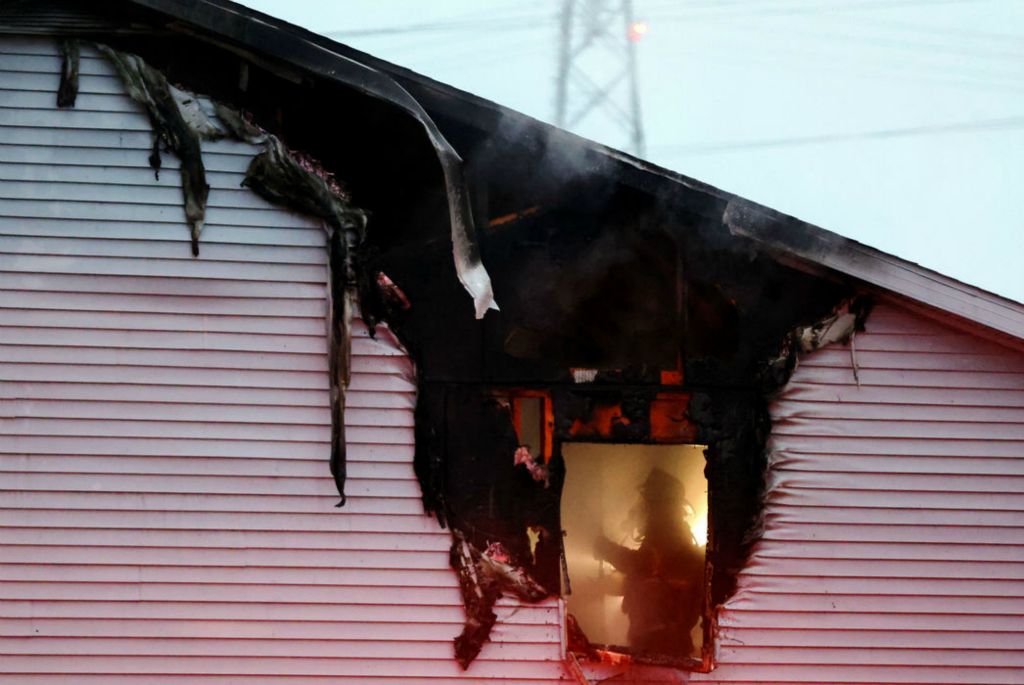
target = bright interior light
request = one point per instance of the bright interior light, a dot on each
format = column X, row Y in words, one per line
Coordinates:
column 699, row 528
column 602, row 496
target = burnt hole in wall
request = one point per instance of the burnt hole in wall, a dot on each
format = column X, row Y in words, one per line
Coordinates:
column 627, row 303
column 644, row 321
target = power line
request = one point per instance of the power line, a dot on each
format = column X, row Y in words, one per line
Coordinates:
column 1005, row 123
column 926, row 65
column 491, row 23
column 477, row 57
column 1016, row 40
column 905, row 44
column 518, row 23
column 929, row 66
column 496, row 22
column 827, row 8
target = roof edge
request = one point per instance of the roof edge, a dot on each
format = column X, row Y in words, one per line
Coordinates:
column 789, row 236
column 776, row 232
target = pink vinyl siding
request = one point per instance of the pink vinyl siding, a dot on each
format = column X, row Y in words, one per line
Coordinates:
column 893, row 549
column 166, row 510
column 166, row 514
column 893, row 546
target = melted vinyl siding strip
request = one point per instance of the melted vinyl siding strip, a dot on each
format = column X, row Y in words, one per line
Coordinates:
column 894, row 532
column 166, row 511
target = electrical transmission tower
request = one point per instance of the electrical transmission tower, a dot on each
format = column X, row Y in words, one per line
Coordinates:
column 597, row 66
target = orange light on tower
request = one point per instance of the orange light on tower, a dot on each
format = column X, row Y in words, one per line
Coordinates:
column 637, row 30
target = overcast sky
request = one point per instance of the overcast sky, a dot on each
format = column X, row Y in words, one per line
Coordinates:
column 898, row 123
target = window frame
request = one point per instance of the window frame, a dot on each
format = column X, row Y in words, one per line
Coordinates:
column 664, row 413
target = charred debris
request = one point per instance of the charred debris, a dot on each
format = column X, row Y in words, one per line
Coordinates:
column 627, row 303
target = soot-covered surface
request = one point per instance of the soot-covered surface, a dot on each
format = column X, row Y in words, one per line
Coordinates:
column 655, row 296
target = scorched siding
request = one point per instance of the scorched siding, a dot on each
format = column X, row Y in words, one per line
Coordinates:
column 166, row 511
column 893, row 549
column 166, row 514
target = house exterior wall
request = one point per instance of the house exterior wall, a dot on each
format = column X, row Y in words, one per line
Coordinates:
column 894, row 528
column 166, row 509
column 166, row 514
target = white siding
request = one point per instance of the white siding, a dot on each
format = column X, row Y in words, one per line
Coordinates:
column 166, row 510
column 894, row 541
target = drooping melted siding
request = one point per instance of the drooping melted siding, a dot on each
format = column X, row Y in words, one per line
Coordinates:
column 166, row 511
column 894, row 534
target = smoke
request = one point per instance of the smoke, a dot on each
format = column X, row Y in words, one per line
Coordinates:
column 601, row 496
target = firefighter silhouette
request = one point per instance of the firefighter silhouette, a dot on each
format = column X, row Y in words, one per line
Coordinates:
column 664, row 577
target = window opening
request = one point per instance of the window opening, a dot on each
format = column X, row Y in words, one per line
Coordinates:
column 635, row 521
column 531, row 414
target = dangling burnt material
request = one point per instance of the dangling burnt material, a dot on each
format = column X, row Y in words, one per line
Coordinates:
column 165, row 107
column 276, row 174
column 67, row 92
column 299, row 183
column 484, row 576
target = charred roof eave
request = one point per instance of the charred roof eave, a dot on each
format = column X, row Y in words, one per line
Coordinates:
column 787, row 238
column 778, row 233
column 255, row 33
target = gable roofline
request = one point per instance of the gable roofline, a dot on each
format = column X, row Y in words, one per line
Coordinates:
column 808, row 243
column 797, row 242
